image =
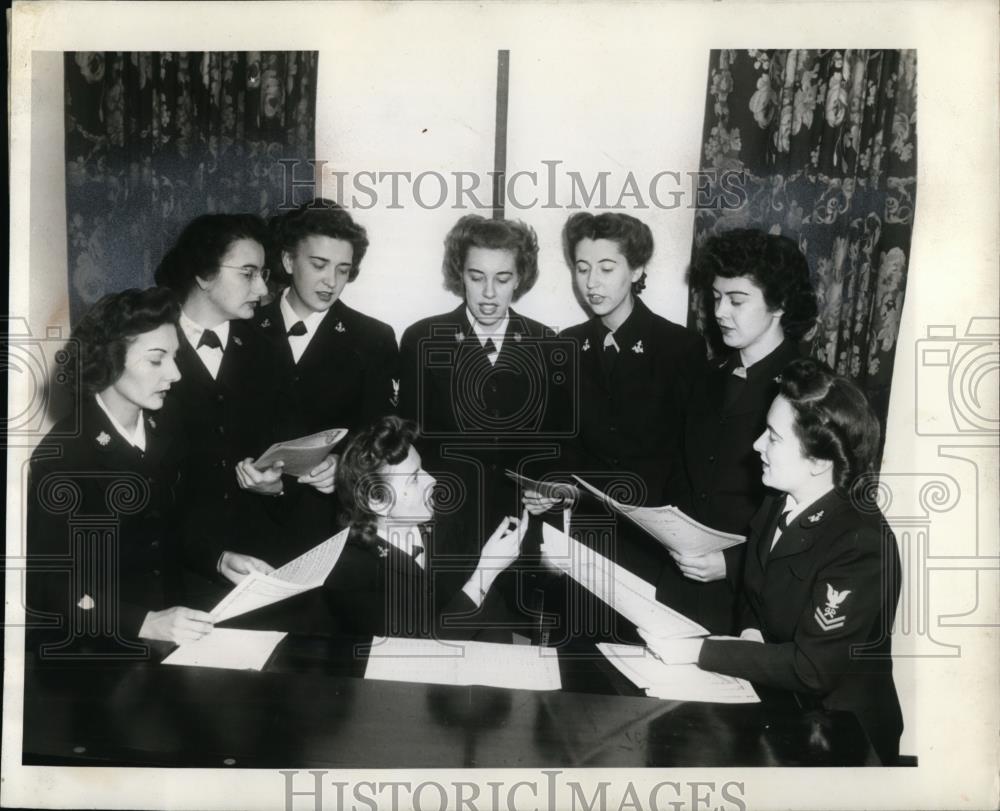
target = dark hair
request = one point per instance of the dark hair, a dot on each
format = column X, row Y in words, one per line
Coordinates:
column 833, row 419
column 319, row 217
column 633, row 236
column 473, row 231
column 774, row 263
column 201, row 246
column 104, row 333
column 385, row 442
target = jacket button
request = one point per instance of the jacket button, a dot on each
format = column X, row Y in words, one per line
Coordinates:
column 615, row 462
column 156, row 572
column 703, row 496
column 154, row 544
column 219, row 397
column 225, row 496
column 222, row 463
column 613, row 429
column 711, row 458
column 222, row 429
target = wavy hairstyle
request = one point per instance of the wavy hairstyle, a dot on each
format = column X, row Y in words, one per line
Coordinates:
column 103, row 335
column 201, row 246
column 320, row 217
column 633, row 237
column 473, row 231
column 833, row 419
column 773, row 263
column 385, row 442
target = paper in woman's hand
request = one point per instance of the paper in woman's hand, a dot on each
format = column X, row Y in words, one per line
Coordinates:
column 558, row 490
column 301, row 456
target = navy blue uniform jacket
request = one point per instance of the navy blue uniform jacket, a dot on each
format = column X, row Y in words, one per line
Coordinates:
column 824, row 600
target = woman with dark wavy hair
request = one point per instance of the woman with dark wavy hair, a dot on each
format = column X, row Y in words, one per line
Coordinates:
column 114, row 458
column 386, row 581
column 821, row 583
column 634, row 370
column 763, row 303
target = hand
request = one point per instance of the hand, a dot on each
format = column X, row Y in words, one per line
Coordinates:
column 504, row 545
column 322, row 476
column 536, row 504
column 672, row 651
column 263, row 482
column 234, row 567
column 176, row 624
column 703, row 568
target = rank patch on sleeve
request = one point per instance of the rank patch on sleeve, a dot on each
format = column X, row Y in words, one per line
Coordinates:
column 827, row 617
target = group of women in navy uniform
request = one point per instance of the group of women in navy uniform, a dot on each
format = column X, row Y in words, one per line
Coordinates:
column 182, row 386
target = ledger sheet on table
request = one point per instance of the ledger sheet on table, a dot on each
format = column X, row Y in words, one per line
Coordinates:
column 516, row 667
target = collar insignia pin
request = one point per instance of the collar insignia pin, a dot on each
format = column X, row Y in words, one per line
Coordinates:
column 638, row 348
column 151, row 421
column 265, row 323
column 237, row 341
column 815, row 517
column 517, row 337
column 340, row 327
column 394, row 400
column 103, row 439
column 383, row 552
column 459, row 336
column 586, row 345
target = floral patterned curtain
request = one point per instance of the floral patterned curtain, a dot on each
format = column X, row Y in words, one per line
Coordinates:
column 154, row 139
column 823, row 145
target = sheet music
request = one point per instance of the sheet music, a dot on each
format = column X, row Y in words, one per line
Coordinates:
column 303, row 454
column 229, row 648
column 562, row 490
column 677, row 682
column 671, row 527
column 306, row 572
column 516, row 667
column 629, row 595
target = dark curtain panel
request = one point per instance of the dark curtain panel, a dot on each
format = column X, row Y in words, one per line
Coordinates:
column 825, row 142
column 154, row 139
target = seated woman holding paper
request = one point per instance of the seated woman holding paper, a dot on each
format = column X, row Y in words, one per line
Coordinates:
column 821, row 583
column 393, row 578
column 757, row 285
column 104, row 486
column 231, row 403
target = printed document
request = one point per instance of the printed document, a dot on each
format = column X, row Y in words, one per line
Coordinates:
column 303, row 454
column 229, row 648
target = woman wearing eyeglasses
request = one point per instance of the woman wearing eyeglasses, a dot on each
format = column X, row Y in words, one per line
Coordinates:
column 229, row 398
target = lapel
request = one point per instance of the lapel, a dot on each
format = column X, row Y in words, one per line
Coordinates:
column 236, row 357
column 272, row 324
column 761, row 380
column 190, row 364
column 332, row 335
column 801, row 533
column 391, row 557
column 590, row 357
column 515, row 332
column 763, row 525
column 112, row 450
column 471, row 356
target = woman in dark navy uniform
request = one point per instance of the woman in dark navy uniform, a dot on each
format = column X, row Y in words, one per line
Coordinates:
column 635, row 374
column 232, row 401
column 483, row 381
column 821, row 583
column 104, row 487
column 757, row 285
column 343, row 364
column 394, row 576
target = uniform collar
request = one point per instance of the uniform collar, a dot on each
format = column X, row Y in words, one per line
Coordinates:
column 135, row 438
column 768, row 367
column 630, row 331
column 290, row 317
column 193, row 331
column 477, row 329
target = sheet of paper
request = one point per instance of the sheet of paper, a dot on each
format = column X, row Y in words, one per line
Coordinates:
column 516, row 667
column 629, row 595
column 671, row 527
column 561, row 490
column 229, row 648
column 308, row 571
column 303, row 454
column 677, row 682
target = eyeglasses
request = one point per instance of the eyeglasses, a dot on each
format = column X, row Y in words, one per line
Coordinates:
column 250, row 272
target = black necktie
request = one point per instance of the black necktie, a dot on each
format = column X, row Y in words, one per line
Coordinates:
column 610, row 353
column 489, row 346
column 298, row 328
column 783, row 520
column 209, row 339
